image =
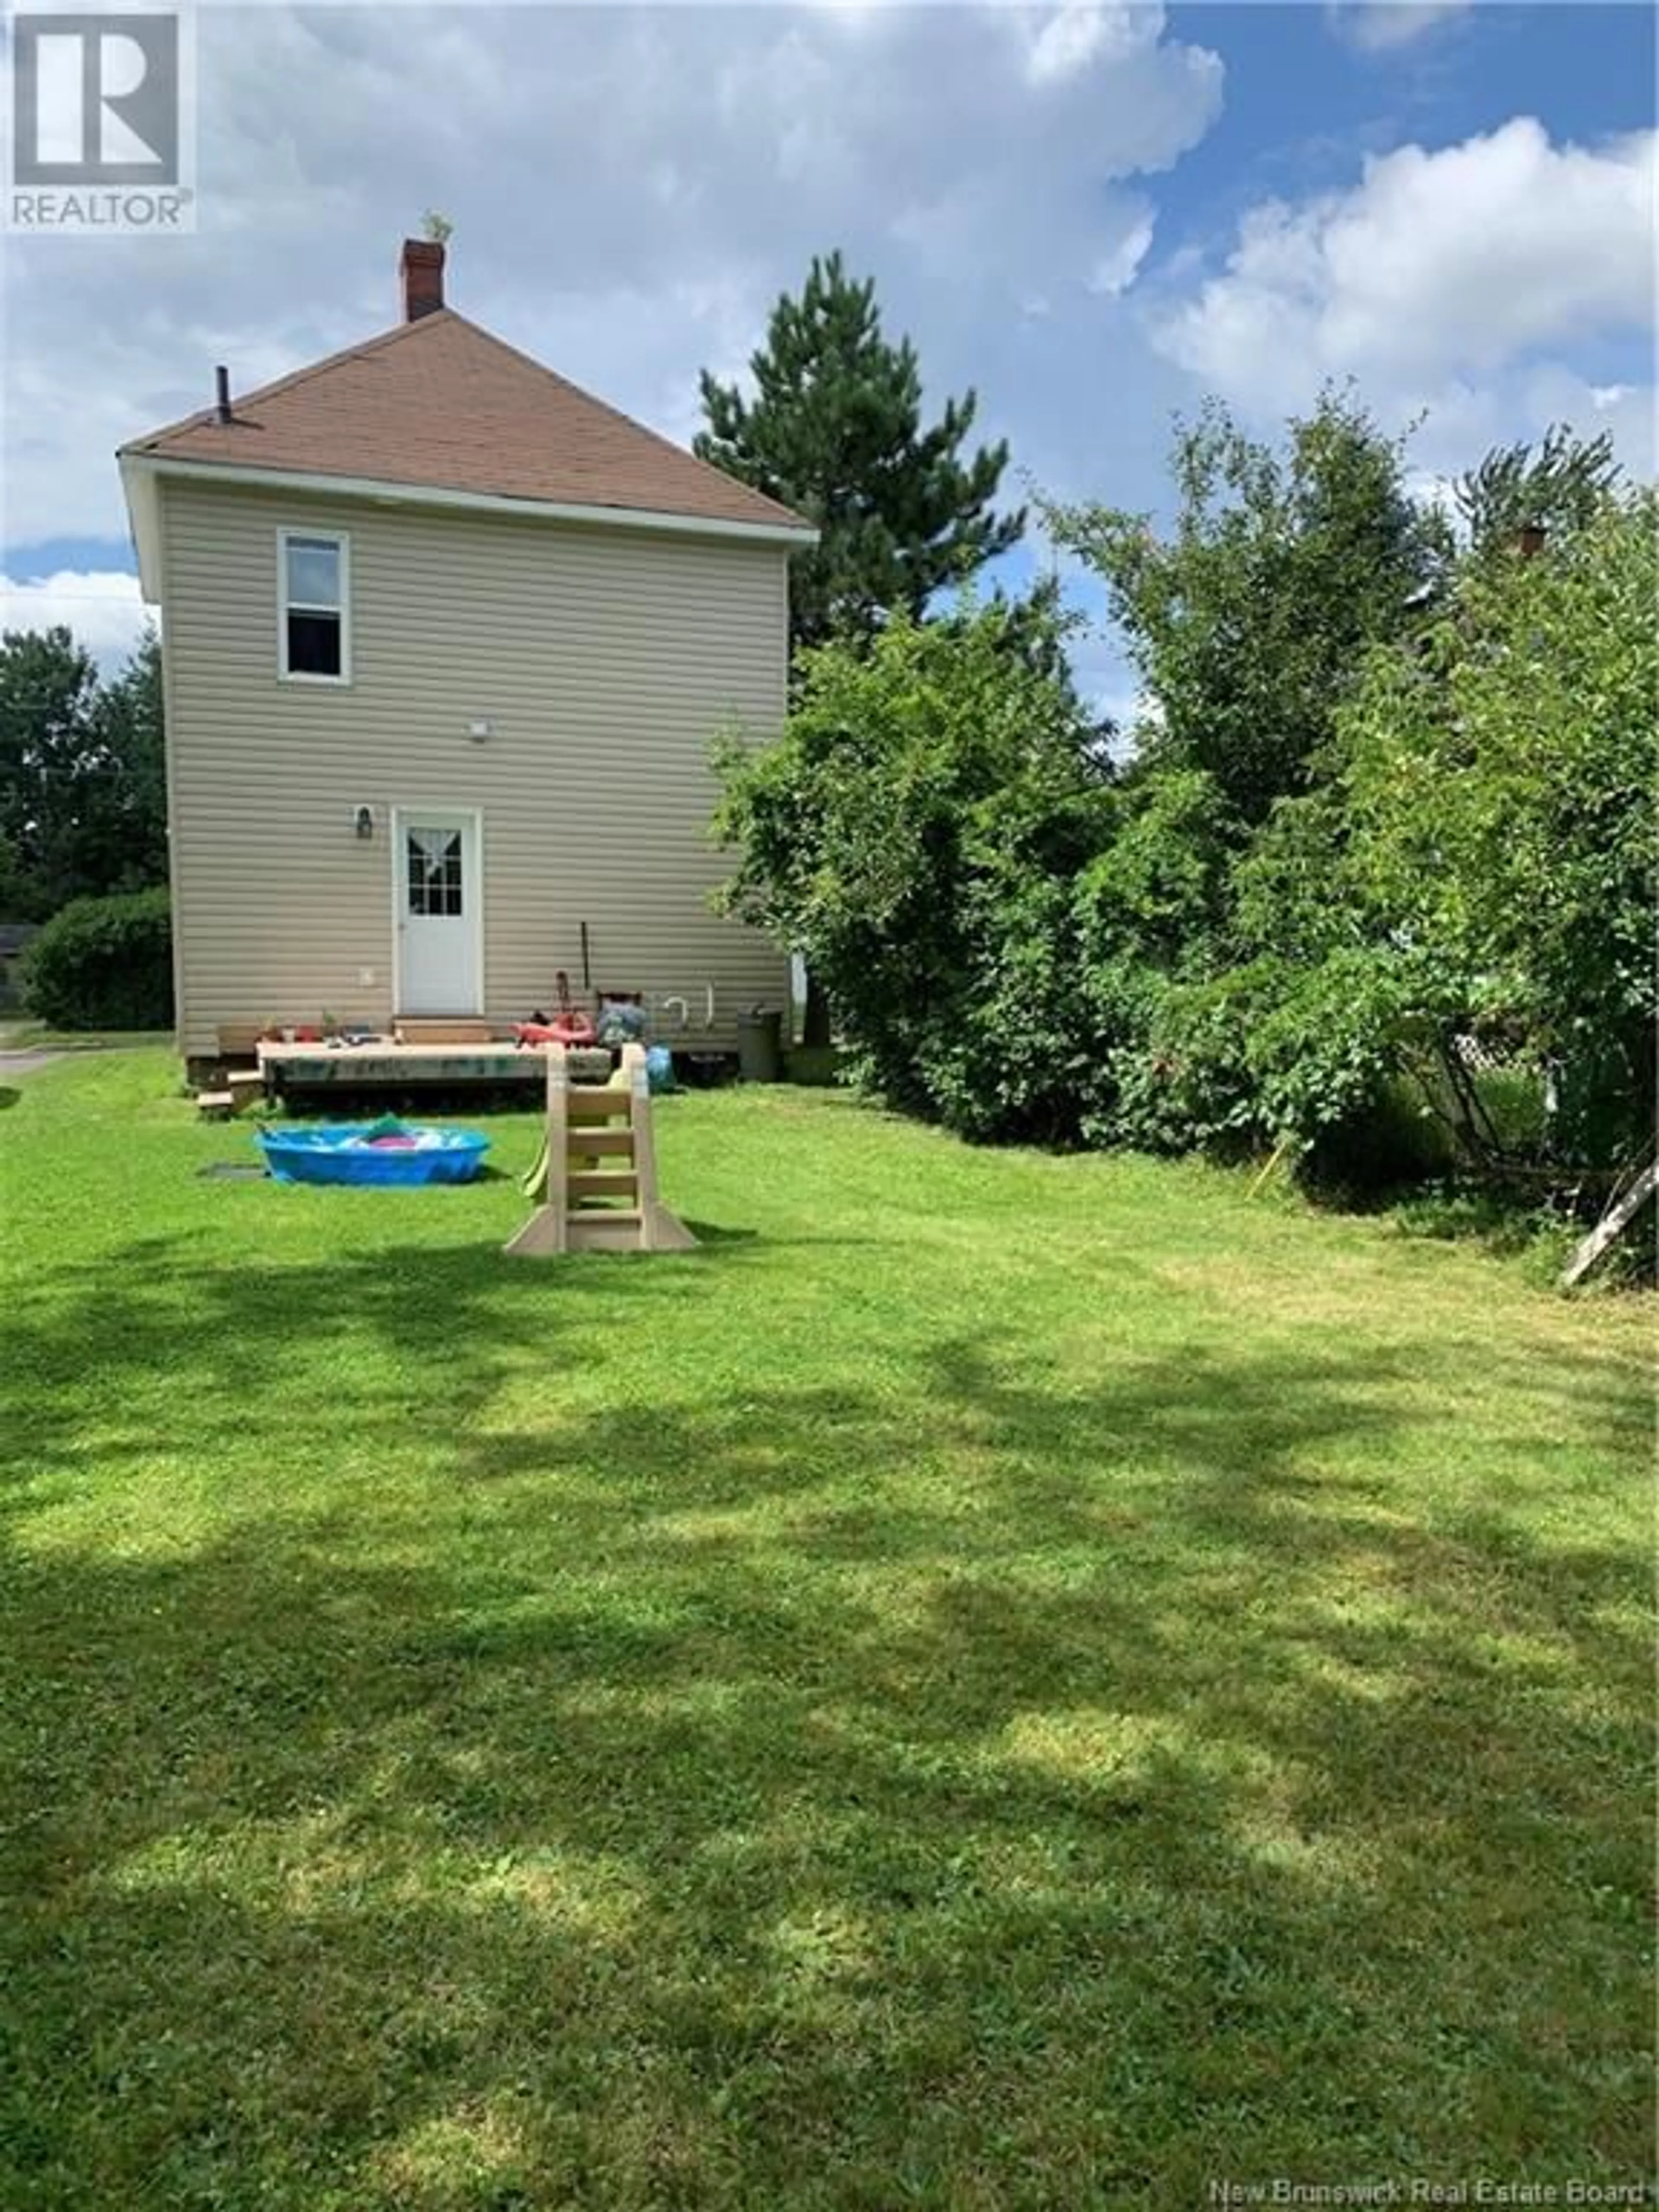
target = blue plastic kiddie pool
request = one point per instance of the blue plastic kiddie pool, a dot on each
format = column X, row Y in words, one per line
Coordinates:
column 381, row 1153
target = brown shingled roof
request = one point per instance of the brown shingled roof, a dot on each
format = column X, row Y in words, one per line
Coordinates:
column 440, row 403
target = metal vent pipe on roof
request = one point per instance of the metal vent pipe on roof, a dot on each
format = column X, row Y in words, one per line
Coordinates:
column 222, row 403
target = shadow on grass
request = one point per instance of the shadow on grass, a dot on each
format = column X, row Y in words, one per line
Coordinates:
column 228, row 1334
column 714, row 1236
column 1021, row 1793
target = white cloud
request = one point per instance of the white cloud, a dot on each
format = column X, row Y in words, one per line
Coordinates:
column 1385, row 26
column 631, row 188
column 100, row 607
column 1114, row 272
column 1076, row 34
column 1443, row 279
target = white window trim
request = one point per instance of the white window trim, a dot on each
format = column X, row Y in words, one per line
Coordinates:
column 340, row 539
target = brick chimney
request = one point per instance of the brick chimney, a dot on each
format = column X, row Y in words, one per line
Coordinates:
column 422, row 268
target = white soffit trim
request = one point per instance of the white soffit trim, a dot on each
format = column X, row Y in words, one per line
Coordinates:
column 139, row 471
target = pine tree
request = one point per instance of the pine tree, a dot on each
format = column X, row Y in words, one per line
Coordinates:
column 835, row 431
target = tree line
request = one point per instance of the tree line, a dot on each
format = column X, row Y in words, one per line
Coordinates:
column 1371, row 885
column 82, row 774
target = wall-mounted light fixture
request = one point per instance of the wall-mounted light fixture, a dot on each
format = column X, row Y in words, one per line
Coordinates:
column 479, row 729
column 362, row 824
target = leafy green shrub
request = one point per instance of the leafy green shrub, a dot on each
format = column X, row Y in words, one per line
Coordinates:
column 1497, row 792
column 916, row 833
column 1167, row 1037
column 103, row 963
column 1179, row 1077
column 1265, row 1052
column 1322, row 1039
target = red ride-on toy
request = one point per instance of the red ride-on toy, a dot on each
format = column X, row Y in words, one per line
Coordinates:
column 568, row 1027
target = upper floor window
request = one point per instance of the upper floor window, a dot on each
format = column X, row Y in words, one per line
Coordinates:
column 315, row 614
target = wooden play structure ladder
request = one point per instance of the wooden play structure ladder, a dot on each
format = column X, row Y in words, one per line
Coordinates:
column 597, row 1179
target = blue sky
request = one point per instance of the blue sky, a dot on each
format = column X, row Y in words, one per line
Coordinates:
column 1301, row 101
column 1094, row 215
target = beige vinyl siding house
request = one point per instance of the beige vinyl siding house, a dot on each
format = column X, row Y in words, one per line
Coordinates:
column 534, row 656
column 603, row 662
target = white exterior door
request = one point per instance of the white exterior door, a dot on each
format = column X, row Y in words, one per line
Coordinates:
column 439, row 911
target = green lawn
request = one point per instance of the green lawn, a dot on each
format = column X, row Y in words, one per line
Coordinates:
column 1001, row 1682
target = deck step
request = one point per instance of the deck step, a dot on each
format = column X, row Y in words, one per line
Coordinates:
column 215, row 1105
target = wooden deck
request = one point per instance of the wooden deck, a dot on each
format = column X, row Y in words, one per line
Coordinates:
column 383, row 1063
